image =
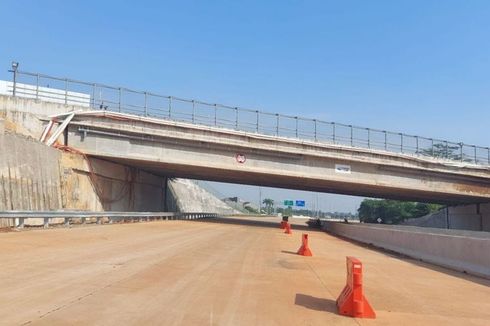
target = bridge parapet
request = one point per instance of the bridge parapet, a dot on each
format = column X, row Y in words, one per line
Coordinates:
column 199, row 152
column 148, row 104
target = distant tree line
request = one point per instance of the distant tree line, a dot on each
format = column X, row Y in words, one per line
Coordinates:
column 313, row 213
column 393, row 211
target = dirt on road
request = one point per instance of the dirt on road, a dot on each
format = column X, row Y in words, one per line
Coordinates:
column 217, row 272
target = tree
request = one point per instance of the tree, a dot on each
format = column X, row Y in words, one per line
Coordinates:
column 269, row 205
column 445, row 150
column 393, row 211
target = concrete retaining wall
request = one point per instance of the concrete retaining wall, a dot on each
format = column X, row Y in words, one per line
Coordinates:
column 475, row 217
column 24, row 115
column 34, row 176
column 120, row 187
column 29, row 175
column 464, row 251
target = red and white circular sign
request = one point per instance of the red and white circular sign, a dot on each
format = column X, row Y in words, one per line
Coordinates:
column 240, row 158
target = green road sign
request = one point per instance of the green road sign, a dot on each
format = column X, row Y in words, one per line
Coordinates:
column 288, row 203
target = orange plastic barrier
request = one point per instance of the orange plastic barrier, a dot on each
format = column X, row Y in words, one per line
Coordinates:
column 304, row 250
column 288, row 228
column 351, row 302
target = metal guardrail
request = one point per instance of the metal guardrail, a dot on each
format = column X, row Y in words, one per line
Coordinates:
column 111, row 217
column 120, row 99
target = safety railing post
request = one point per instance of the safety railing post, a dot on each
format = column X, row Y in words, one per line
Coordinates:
column 351, row 135
column 401, row 142
column 257, row 121
column 461, row 151
column 416, row 144
column 333, row 132
column 146, row 104
column 236, row 118
column 432, row 147
column 277, row 124
column 476, row 157
column 66, row 91
column 386, row 139
column 215, row 115
column 119, row 99
column 314, row 122
column 193, row 111
column 170, row 107
column 37, row 86
column 296, row 119
column 368, row 137
column 14, row 83
column 447, row 150
column 93, row 94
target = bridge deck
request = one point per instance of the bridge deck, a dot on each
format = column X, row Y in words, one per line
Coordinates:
column 225, row 273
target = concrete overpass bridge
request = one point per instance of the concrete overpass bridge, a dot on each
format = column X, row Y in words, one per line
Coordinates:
column 210, row 153
column 192, row 139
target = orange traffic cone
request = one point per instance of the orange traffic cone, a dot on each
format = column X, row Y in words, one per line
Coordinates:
column 351, row 302
column 304, row 250
column 283, row 225
column 288, row 228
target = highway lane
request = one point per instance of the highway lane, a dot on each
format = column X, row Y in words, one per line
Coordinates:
column 217, row 273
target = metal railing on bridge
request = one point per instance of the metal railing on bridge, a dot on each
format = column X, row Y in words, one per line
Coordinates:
column 99, row 96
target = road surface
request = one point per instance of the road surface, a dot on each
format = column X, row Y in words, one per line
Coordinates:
column 221, row 272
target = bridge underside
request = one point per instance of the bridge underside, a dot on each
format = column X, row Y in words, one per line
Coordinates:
column 189, row 151
column 293, row 182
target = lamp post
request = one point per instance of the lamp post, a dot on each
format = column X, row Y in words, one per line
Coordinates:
column 15, row 65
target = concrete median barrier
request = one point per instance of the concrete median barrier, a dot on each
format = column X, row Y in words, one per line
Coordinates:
column 464, row 251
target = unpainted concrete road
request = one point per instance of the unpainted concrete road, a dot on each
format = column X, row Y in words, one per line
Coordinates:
column 205, row 273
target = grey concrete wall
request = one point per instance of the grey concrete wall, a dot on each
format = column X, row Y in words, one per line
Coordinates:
column 25, row 114
column 435, row 220
column 475, row 217
column 29, row 174
column 485, row 213
column 110, row 186
column 460, row 250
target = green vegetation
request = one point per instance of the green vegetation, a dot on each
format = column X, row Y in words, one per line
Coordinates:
column 393, row 211
column 453, row 152
column 269, row 205
column 307, row 212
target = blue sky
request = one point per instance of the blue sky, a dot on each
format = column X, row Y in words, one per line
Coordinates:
column 420, row 67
